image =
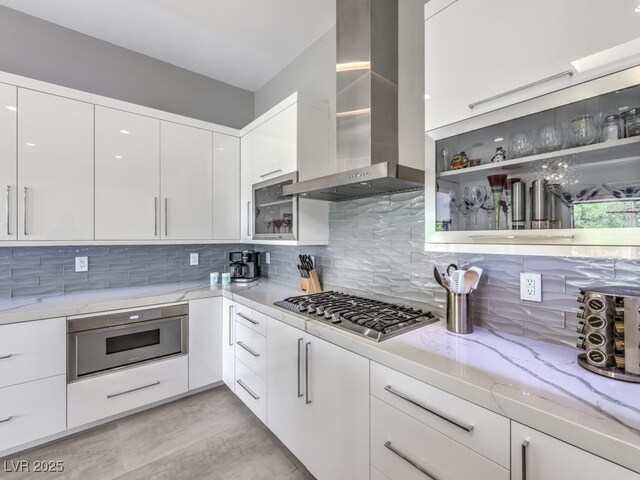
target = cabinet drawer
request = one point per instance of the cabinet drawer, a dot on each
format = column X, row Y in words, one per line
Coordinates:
column 252, row 390
column 32, row 350
column 425, row 450
column 250, row 318
column 113, row 393
column 446, row 413
column 251, row 349
column 32, row 410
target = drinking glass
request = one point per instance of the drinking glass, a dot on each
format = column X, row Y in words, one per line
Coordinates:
column 628, row 190
column 584, row 130
column 520, row 144
column 475, row 197
column 497, row 185
column 549, row 138
column 570, row 194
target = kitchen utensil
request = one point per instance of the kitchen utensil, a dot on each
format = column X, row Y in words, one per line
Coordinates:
column 452, row 267
column 471, row 278
column 520, row 144
column 459, row 313
column 475, row 197
column 436, row 275
column 584, row 130
column 570, row 194
column 549, row 138
column 453, row 282
column 539, row 204
column 479, row 271
column 626, row 189
column 497, row 182
column 507, row 194
column 519, row 205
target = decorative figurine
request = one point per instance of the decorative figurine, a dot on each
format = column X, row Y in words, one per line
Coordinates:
column 500, row 155
column 459, row 161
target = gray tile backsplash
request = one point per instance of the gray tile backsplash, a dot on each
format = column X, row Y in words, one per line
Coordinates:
column 376, row 248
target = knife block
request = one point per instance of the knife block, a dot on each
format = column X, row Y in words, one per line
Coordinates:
column 311, row 284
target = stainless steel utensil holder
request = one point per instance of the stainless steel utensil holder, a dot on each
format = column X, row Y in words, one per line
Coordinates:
column 459, row 314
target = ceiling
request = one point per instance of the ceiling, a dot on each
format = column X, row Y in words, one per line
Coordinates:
column 241, row 42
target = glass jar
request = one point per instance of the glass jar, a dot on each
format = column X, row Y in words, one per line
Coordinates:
column 611, row 128
column 631, row 120
column 584, row 130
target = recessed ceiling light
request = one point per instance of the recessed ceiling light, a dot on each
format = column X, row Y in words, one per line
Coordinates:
column 427, row 96
column 498, row 139
column 638, row 9
column 11, row 107
column 118, row 156
column 624, row 107
column 29, row 144
column 221, row 149
column 126, row 132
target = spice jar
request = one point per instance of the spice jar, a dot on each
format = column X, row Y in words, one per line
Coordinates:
column 631, row 122
column 611, row 128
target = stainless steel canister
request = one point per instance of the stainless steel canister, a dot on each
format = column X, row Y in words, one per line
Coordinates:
column 518, row 205
column 459, row 317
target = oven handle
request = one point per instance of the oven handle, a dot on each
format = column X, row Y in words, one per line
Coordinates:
column 113, row 395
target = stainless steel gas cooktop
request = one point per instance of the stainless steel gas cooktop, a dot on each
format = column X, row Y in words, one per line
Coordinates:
column 369, row 318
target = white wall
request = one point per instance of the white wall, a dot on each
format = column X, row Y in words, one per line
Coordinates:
column 37, row 49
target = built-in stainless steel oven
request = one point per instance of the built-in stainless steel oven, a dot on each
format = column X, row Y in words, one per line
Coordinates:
column 108, row 341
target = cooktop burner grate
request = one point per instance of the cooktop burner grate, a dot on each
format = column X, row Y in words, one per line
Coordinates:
column 371, row 318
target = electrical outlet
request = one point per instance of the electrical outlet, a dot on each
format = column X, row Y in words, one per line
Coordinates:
column 82, row 264
column 267, row 258
column 193, row 259
column 531, row 287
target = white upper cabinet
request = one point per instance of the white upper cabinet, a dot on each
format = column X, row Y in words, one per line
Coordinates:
column 186, row 185
column 127, row 181
column 55, row 174
column 226, row 187
column 246, row 215
column 484, row 55
column 8, row 165
column 275, row 146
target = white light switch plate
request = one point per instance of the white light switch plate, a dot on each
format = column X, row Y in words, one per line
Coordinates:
column 82, row 264
column 531, row 287
column 193, row 259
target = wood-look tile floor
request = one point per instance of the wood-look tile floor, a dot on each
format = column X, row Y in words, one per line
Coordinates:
column 210, row 435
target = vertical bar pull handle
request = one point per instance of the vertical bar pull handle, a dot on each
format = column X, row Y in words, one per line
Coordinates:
column 300, row 341
column 307, row 354
column 166, row 217
column 248, row 219
column 7, row 210
column 155, row 216
column 230, row 325
column 24, row 197
column 525, row 444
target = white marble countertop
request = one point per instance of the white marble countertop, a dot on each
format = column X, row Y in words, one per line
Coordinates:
column 532, row 382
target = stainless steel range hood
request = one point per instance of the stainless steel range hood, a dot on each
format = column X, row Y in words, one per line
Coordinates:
column 368, row 163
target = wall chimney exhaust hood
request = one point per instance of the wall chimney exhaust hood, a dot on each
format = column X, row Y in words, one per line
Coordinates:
column 368, row 163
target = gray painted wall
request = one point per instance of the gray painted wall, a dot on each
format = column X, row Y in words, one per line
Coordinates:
column 37, row 49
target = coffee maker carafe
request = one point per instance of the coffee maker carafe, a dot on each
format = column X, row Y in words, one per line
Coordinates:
column 244, row 266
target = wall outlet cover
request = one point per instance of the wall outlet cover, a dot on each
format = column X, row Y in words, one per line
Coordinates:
column 82, row 264
column 194, row 259
column 531, row 287
column 267, row 258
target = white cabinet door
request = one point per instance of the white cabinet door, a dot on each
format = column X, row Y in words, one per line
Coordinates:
column 285, row 394
column 127, row 176
column 55, row 169
column 478, row 50
column 246, row 181
column 8, row 165
column 205, row 342
column 226, row 187
column 228, row 356
column 33, row 410
column 275, row 146
column 548, row 458
column 186, row 182
column 336, row 419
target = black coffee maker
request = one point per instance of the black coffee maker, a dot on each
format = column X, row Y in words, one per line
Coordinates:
column 244, row 266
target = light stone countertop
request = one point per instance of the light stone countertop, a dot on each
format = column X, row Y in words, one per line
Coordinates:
column 532, row 382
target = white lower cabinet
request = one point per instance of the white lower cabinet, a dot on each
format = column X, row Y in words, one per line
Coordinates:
column 403, row 448
column 205, row 342
column 537, row 456
column 318, row 402
column 251, row 388
column 228, row 356
column 106, row 395
column 33, row 410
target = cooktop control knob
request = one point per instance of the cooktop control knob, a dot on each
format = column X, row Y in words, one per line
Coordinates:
column 581, row 311
column 580, row 328
column 580, row 343
column 581, row 296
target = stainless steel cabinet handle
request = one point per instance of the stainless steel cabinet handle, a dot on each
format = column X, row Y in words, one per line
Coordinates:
column 270, row 173
column 7, row 210
column 248, row 219
column 166, row 217
column 248, row 349
column 134, row 389
column 248, row 390
column 300, row 342
column 248, row 319
column 24, row 198
column 307, row 354
column 6, row 356
column 523, row 87
column 231, row 307
column 463, row 426
column 5, row 420
column 524, row 237
column 155, row 216
column 525, row 444
column 408, row 460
